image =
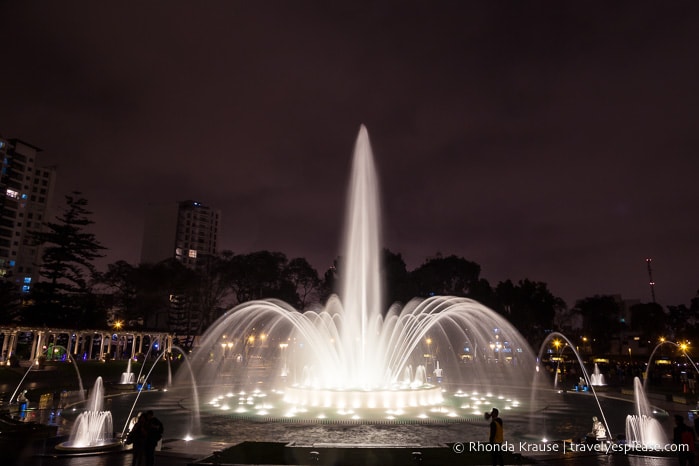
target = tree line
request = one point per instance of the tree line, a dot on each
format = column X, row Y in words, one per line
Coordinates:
column 170, row 296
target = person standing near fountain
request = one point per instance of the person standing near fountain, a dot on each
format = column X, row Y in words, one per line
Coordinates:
column 154, row 432
column 683, row 435
column 137, row 437
column 497, row 436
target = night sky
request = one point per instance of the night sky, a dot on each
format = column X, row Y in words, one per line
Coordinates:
column 555, row 141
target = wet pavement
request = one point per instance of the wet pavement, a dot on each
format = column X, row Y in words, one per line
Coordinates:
column 181, row 453
column 174, row 452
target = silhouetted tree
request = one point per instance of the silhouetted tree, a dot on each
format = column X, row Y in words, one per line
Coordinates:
column 153, row 295
column 529, row 306
column 601, row 320
column 452, row 275
column 305, row 280
column 482, row 292
column 399, row 286
column 212, row 283
column 259, row 275
column 683, row 320
column 68, row 250
column 328, row 284
column 648, row 320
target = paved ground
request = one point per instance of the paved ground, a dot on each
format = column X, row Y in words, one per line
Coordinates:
column 181, row 453
column 174, row 453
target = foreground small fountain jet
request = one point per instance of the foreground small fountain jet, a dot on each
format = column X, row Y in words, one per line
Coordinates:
column 93, row 428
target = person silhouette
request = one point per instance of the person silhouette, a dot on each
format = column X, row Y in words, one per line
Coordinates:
column 683, row 436
column 154, row 433
column 137, row 437
column 496, row 437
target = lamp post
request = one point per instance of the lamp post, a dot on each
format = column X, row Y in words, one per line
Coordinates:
column 557, row 345
column 429, row 366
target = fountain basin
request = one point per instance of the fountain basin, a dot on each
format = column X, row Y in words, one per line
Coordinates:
column 125, row 386
column 104, row 446
column 363, row 399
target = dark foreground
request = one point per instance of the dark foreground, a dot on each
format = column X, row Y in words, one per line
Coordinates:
column 201, row 453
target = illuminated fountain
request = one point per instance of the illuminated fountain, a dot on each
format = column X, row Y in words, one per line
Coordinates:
column 92, row 430
column 264, row 358
column 642, row 429
column 682, row 347
column 556, row 338
column 597, row 378
column 127, row 378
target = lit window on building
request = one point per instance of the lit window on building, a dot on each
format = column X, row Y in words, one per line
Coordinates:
column 27, row 280
column 193, row 253
column 12, row 193
column 25, row 289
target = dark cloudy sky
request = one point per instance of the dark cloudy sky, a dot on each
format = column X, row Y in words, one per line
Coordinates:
column 555, row 141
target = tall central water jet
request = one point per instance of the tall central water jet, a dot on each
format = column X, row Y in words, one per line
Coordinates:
column 361, row 290
column 348, row 356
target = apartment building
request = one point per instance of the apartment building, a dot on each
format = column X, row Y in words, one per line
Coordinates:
column 26, row 191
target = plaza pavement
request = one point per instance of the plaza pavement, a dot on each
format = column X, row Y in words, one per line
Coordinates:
column 182, row 453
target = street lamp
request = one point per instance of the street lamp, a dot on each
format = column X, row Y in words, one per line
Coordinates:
column 557, row 344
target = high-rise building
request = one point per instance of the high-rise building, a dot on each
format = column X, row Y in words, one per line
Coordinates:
column 187, row 231
column 26, row 190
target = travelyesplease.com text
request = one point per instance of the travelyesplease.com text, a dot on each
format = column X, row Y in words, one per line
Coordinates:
column 565, row 447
